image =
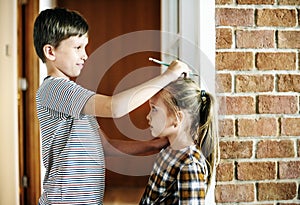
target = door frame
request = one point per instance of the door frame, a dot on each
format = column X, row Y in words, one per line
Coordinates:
column 28, row 73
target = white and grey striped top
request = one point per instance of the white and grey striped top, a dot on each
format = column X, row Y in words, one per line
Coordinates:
column 71, row 146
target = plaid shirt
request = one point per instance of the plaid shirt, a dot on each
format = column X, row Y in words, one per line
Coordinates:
column 178, row 177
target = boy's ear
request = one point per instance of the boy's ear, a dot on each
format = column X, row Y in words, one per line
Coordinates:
column 49, row 52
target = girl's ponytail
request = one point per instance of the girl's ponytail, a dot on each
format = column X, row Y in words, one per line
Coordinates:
column 207, row 130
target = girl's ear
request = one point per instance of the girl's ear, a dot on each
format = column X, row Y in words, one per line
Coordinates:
column 49, row 52
column 179, row 117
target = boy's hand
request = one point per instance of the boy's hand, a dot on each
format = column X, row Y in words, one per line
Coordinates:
column 177, row 68
column 159, row 143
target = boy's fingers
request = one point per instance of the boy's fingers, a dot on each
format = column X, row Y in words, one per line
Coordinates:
column 180, row 68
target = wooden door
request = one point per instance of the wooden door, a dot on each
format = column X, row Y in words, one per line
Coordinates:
column 28, row 73
column 110, row 19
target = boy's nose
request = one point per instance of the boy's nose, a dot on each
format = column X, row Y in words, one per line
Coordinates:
column 84, row 56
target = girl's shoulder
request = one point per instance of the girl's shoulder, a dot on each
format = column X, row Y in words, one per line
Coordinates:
column 193, row 155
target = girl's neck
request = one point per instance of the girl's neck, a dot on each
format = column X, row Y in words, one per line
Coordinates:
column 179, row 142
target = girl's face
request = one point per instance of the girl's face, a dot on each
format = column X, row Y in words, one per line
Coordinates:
column 161, row 123
column 70, row 57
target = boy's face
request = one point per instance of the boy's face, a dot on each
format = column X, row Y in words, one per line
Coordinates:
column 69, row 57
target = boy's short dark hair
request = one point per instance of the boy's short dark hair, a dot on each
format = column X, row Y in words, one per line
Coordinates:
column 54, row 25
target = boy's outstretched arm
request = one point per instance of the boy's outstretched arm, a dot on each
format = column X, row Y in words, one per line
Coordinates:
column 122, row 103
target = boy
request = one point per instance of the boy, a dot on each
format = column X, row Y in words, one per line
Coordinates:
column 71, row 146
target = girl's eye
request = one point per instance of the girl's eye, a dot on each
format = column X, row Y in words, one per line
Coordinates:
column 153, row 109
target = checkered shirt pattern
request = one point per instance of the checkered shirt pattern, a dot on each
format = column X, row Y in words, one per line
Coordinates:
column 178, row 177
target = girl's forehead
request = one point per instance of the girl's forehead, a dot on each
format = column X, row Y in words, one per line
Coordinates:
column 158, row 102
column 156, row 99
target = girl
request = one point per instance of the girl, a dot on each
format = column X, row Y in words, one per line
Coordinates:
column 182, row 172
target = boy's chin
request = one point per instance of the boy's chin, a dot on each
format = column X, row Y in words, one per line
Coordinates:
column 74, row 76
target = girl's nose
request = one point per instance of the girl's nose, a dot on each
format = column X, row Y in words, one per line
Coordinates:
column 148, row 116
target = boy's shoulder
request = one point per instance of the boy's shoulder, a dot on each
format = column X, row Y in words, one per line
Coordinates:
column 50, row 81
column 54, row 86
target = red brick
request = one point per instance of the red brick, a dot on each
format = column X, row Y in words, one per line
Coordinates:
column 221, row 101
column 256, row 170
column 286, row 204
column 290, row 126
column 235, row 149
column 255, row 39
column 254, row 83
column 234, row 61
column 276, row 17
column 263, row 204
column 289, row 2
column 289, row 39
column 276, row 191
column 225, row 172
column 220, row 2
column 256, row 2
column 234, row 193
column 226, row 128
column 276, row 61
column 275, row 149
column 288, row 82
column 289, row 170
column 298, row 145
column 234, row 17
column 224, row 83
column 257, row 127
column 223, row 38
column 277, row 104
column 237, row 105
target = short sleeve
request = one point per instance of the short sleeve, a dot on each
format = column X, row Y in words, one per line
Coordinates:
column 63, row 96
column 191, row 185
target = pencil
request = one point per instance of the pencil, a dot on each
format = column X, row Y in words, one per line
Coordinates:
column 166, row 64
column 158, row 61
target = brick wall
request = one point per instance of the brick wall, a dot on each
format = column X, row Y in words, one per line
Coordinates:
column 257, row 64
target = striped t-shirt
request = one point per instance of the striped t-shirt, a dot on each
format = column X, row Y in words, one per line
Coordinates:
column 71, row 146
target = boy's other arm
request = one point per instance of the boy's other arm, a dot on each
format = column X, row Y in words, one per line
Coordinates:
column 122, row 103
column 132, row 147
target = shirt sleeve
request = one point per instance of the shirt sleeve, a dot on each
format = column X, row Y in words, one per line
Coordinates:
column 191, row 185
column 64, row 96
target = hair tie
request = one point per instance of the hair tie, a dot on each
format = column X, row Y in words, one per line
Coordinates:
column 202, row 93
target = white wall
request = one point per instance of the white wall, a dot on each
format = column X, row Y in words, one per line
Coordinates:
column 9, row 189
column 195, row 43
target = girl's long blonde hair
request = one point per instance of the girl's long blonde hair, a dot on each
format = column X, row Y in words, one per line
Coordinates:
column 184, row 94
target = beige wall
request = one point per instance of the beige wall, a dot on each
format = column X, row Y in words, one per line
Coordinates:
column 8, row 104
